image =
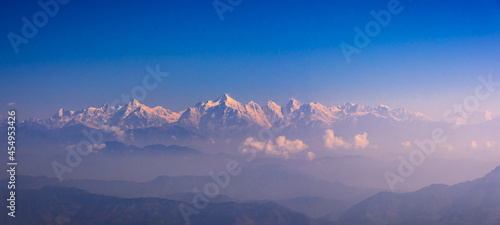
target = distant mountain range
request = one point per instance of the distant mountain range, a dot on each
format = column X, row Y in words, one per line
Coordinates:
column 263, row 182
column 223, row 113
column 222, row 125
column 468, row 203
column 115, row 147
column 473, row 202
column 72, row 206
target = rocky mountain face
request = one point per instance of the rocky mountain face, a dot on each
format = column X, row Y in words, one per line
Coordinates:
column 129, row 116
column 223, row 113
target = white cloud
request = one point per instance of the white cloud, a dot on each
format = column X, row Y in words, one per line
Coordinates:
column 490, row 144
column 461, row 121
column 473, row 144
column 333, row 142
column 360, row 140
column 406, row 144
column 252, row 143
column 120, row 134
column 487, row 115
column 291, row 146
column 99, row 146
column 279, row 147
column 311, row 155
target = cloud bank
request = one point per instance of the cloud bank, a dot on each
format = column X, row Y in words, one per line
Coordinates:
column 361, row 141
column 279, row 147
column 333, row 142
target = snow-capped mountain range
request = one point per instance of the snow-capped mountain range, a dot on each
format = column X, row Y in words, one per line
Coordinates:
column 222, row 113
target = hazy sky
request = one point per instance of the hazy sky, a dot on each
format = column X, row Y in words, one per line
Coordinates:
column 427, row 58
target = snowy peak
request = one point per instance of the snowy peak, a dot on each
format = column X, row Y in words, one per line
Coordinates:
column 291, row 106
column 351, row 108
column 130, row 107
column 255, row 114
column 190, row 118
column 127, row 116
column 252, row 106
column 134, row 103
column 223, row 101
column 62, row 113
column 224, row 113
column 224, row 98
column 137, row 115
column 273, row 112
column 318, row 115
column 318, row 112
column 311, row 115
column 383, row 108
column 273, row 107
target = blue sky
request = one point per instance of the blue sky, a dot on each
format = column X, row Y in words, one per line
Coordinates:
column 89, row 53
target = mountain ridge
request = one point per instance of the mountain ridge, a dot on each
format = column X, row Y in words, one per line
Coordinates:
column 222, row 113
column 470, row 202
